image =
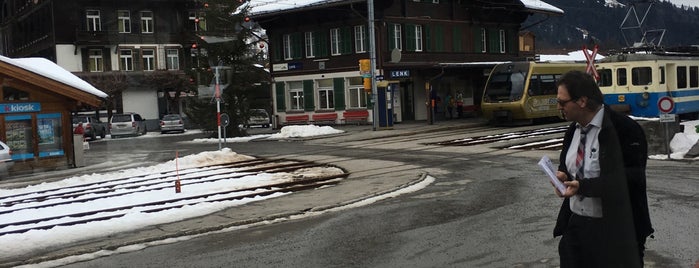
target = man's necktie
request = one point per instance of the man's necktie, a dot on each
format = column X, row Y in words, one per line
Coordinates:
column 580, row 159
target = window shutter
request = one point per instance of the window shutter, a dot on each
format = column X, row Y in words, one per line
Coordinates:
column 410, row 37
column 278, row 45
column 339, row 93
column 281, row 96
column 296, row 45
column 428, row 38
column 106, row 59
column 391, row 37
column 477, row 40
column 346, row 40
column 308, row 95
column 85, row 57
column 456, row 37
column 493, row 41
column 321, row 43
column 439, row 38
column 137, row 60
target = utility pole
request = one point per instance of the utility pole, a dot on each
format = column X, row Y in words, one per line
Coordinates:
column 372, row 58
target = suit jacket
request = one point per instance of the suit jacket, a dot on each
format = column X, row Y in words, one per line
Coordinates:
column 623, row 154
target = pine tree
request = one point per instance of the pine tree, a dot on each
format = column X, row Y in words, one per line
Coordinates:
column 226, row 41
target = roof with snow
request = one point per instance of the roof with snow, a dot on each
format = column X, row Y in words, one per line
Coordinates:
column 258, row 7
column 34, row 70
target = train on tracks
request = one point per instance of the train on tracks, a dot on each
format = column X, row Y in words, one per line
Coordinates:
column 524, row 91
column 634, row 82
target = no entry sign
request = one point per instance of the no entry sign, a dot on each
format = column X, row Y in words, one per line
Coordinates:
column 666, row 104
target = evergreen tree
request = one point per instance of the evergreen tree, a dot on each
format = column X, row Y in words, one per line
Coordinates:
column 225, row 42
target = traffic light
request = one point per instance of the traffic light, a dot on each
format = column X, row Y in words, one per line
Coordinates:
column 367, row 84
column 194, row 45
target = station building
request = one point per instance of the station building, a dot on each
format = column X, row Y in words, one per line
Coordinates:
column 425, row 50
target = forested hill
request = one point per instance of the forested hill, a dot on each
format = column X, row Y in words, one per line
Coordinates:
column 603, row 22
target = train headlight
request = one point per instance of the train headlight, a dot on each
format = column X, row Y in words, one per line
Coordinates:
column 621, row 98
column 645, row 95
column 643, row 104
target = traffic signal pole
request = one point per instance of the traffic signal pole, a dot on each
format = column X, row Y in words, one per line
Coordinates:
column 372, row 58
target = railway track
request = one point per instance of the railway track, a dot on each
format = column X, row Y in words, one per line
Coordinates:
column 53, row 207
column 521, row 139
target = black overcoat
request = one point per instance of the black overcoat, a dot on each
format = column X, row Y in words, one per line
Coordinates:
column 623, row 154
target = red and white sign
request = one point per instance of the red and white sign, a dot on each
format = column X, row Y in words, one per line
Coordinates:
column 590, row 57
column 666, row 104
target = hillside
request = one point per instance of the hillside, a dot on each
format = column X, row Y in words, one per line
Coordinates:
column 602, row 20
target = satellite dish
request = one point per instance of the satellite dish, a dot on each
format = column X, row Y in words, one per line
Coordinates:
column 395, row 55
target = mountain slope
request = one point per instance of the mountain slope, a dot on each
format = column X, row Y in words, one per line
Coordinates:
column 601, row 20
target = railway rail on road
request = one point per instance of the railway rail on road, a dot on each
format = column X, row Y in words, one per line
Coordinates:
column 55, row 198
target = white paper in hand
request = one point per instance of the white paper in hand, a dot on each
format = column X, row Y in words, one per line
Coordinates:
column 547, row 166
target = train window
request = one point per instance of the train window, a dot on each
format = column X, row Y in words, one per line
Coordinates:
column 681, row 76
column 504, row 86
column 641, row 76
column 621, row 77
column 693, row 76
column 662, row 75
column 544, row 84
column 605, row 77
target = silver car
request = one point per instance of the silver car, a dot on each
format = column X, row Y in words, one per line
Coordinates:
column 128, row 124
column 258, row 117
column 5, row 158
column 172, row 123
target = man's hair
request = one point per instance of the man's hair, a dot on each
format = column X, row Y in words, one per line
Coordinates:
column 580, row 84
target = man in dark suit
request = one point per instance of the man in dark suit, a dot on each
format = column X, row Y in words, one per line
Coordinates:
column 604, row 219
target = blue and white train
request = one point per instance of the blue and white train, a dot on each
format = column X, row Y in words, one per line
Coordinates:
column 634, row 82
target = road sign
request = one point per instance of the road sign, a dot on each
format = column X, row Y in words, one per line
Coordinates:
column 590, row 57
column 664, row 118
column 666, row 104
column 225, row 120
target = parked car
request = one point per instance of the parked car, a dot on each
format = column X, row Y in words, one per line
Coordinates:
column 128, row 124
column 5, row 158
column 172, row 123
column 258, row 117
column 92, row 126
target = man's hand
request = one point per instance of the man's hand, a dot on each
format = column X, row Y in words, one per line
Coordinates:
column 571, row 186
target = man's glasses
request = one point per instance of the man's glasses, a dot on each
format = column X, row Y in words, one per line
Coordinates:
column 563, row 102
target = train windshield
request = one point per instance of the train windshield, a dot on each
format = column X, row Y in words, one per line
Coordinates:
column 505, row 86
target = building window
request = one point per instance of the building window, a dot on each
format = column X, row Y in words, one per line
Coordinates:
column 148, row 59
column 296, row 96
column 483, row 41
column 146, row 21
column 360, row 39
column 413, row 38
column 356, row 97
column 335, row 41
column 126, row 60
column 310, row 45
column 124, row 18
column 93, row 20
column 95, row 61
column 503, row 38
column 173, row 59
column 198, row 21
column 325, row 94
column 287, row 46
column 395, row 37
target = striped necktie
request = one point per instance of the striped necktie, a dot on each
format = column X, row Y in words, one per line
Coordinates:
column 580, row 159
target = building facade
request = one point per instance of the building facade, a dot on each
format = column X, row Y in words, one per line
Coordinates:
column 426, row 52
column 122, row 41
